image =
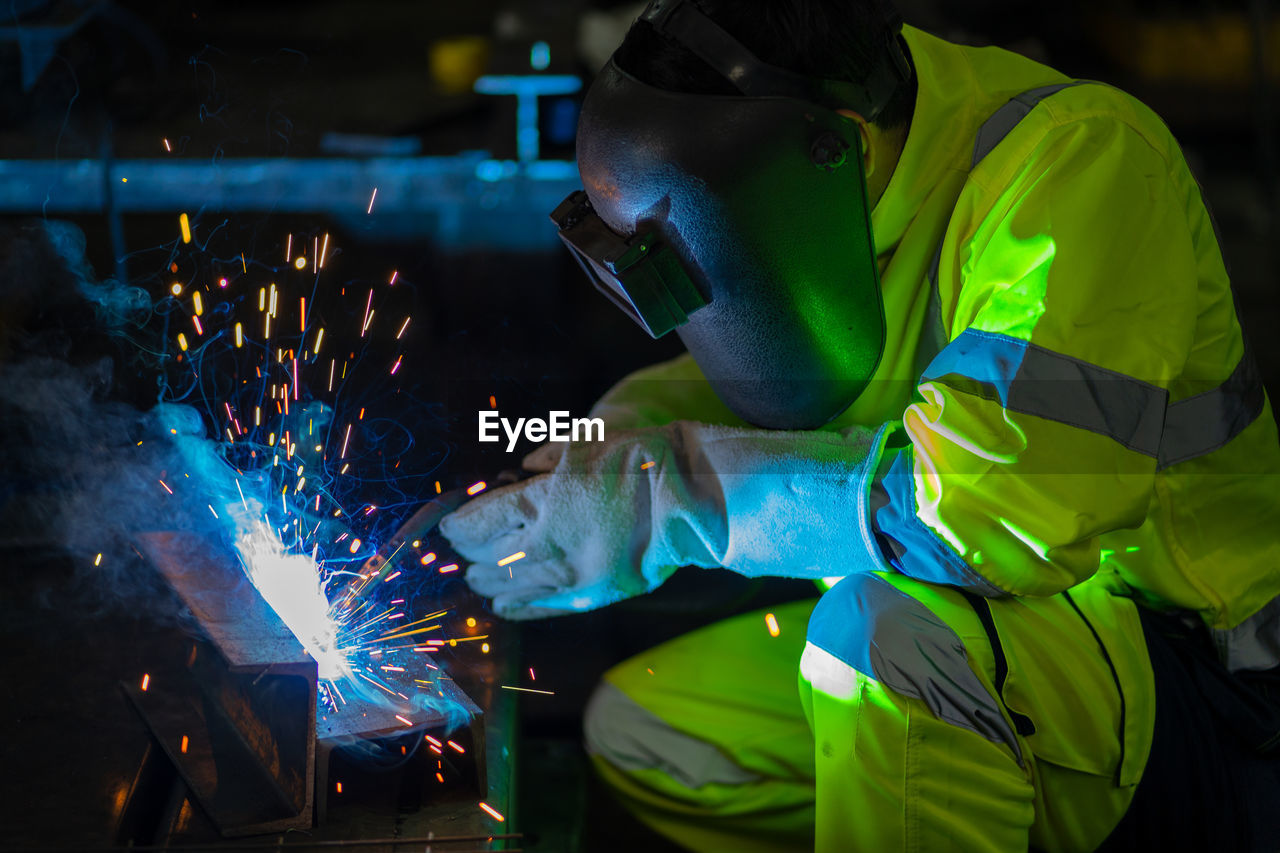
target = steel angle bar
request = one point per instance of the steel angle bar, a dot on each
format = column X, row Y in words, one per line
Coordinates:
column 238, row 721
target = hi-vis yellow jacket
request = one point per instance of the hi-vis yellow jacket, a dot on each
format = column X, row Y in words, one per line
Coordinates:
column 1075, row 392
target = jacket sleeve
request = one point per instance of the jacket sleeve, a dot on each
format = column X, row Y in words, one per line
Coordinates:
column 661, row 393
column 1073, row 303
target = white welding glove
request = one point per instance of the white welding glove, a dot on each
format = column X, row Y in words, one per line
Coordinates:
column 615, row 519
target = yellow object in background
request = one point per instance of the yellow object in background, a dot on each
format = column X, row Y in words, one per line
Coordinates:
column 1214, row 50
column 457, row 61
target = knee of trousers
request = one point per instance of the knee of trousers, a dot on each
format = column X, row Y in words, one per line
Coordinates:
column 866, row 626
column 621, row 731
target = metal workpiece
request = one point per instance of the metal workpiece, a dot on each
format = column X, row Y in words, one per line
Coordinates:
column 239, row 722
column 245, row 722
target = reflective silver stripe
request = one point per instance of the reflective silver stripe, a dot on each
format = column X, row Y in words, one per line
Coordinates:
column 1203, row 423
column 866, row 624
column 1033, row 380
column 1075, row 392
column 990, row 134
column 631, row 737
column 1005, row 119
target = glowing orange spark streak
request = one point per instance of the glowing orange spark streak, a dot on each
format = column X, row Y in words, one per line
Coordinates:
column 384, row 638
column 368, row 313
column 376, row 684
column 491, row 810
column 771, row 622
column 476, row 488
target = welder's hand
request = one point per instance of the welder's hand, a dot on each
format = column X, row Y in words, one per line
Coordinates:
column 614, row 519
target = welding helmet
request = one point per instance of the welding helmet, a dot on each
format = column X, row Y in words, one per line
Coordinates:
column 740, row 221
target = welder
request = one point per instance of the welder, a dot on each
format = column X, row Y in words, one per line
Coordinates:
column 960, row 334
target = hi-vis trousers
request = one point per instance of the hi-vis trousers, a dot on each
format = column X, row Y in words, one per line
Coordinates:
column 924, row 719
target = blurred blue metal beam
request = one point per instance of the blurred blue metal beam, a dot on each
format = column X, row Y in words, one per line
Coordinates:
column 463, row 202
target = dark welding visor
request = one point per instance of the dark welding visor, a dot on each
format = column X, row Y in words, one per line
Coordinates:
column 740, row 221
column 640, row 274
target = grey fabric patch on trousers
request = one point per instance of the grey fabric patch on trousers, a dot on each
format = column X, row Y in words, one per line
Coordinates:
column 875, row 628
column 631, row 737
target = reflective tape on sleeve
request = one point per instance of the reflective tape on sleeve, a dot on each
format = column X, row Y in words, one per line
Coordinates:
column 1203, row 423
column 1032, row 380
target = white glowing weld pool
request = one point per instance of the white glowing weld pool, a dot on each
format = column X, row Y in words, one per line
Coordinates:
column 291, row 584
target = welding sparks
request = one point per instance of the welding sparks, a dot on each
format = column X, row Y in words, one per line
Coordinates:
column 185, row 224
column 371, row 198
column 518, row 555
column 293, row 554
column 492, row 811
column 527, row 689
column 146, row 682
column 476, row 488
